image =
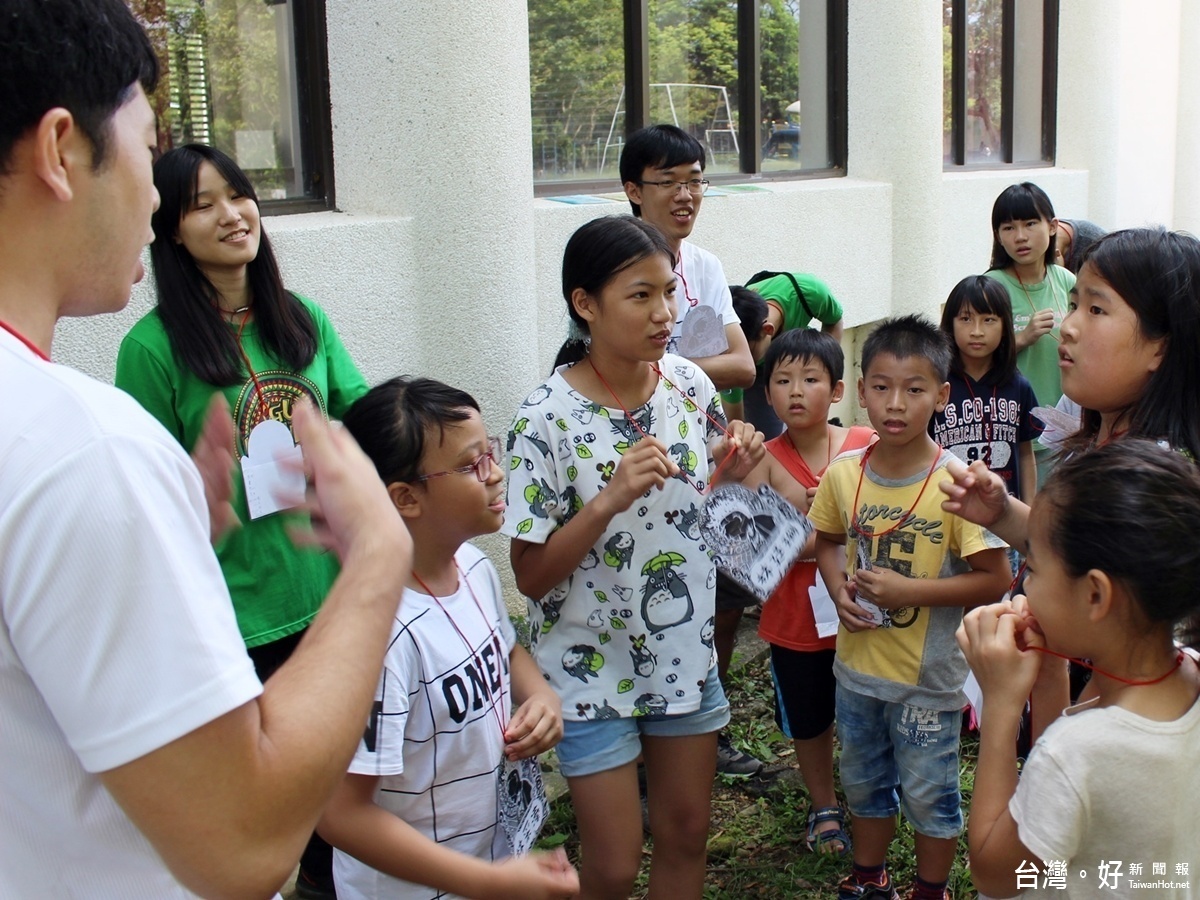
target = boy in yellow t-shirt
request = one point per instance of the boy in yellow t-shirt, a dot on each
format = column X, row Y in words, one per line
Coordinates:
column 900, row 571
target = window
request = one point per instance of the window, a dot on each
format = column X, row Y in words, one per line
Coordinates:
column 251, row 78
column 999, row 82
column 601, row 69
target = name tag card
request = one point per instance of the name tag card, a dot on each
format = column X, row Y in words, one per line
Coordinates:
column 272, row 483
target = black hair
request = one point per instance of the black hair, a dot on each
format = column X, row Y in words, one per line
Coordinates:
column 1017, row 203
column 596, row 252
column 82, row 55
column 657, row 147
column 1157, row 272
column 392, row 421
column 905, row 337
column 988, row 296
column 806, row 344
column 1129, row 509
column 187, row 300
column 751, row 310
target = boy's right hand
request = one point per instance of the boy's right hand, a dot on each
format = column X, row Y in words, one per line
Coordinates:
column 645, row 465
column 538, row 876
column 853, row 616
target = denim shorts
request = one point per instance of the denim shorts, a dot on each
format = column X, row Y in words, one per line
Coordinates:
column 900, row 757
column 597, row 745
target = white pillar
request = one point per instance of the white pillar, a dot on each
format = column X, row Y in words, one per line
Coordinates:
column 1089, row 118
column 895, row 134
column 430, row 105
column 1187, row 152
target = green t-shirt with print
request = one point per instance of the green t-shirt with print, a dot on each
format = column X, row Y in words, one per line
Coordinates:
column 276, row 587
column 1039, row 362
column 781, row 290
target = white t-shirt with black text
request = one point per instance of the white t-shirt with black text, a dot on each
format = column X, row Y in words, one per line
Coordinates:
column 435, row 737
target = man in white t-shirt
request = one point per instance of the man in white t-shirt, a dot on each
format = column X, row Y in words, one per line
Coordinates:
column 139, row 755
column 662, row 172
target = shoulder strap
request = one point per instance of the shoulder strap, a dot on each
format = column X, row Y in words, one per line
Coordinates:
column 763, row 276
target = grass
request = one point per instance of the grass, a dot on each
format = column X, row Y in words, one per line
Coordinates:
column 756, row 841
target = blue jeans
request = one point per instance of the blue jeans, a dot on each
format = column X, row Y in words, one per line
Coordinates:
column 900, row 757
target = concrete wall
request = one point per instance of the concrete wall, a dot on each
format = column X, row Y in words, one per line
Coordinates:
column 440, row 260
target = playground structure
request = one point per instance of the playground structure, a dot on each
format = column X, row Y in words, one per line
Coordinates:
column 719, row 126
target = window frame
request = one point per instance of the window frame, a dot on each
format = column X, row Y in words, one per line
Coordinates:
column 958, row 92
column 636, row 32
column 316, row 120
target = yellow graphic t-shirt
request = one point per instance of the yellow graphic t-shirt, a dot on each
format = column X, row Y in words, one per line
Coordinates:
column 912, row 658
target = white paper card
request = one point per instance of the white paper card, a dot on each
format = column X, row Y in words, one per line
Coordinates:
column 974, row 696
column 824, row 610
column 270, row 485
column 521, row 800
column 702, row 334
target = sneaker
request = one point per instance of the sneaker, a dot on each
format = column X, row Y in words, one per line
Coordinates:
column 945, row 894
column 731, row 761
column 850, row 889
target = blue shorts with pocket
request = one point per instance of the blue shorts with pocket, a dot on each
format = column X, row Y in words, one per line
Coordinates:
column 597, row 745
column 895, row 757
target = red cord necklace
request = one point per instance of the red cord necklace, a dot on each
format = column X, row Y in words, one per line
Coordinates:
column 462, row 579
column 854, row 511
column 638, row 425
column 800, row 456
column 24, row 340
column 1086, row 663
column 263, row 409
column 1053, row 300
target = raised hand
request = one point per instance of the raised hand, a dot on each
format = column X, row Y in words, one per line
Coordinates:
column 213, row 455
column 975, row 492
column 1000, row 651
column 746, row 443
column 349, row 506
column 645, row 465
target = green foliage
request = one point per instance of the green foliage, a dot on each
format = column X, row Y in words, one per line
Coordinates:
column 576, row 73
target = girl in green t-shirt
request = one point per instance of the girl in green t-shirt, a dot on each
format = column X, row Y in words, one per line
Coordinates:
column 225, row 325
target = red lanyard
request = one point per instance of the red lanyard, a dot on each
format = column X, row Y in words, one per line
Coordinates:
column 24, row 340
column 854, row 510
column 1053, row 300
column 262, row 400
column 687, row 399
column 462, row 578
column 1085, row 663
column 693, row 302
column 814, row 476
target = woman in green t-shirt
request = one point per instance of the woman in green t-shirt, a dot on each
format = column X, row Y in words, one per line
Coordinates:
column 225, row 324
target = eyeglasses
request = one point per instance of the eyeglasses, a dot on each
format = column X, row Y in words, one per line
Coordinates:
column 695, row 186
column 481, row 465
